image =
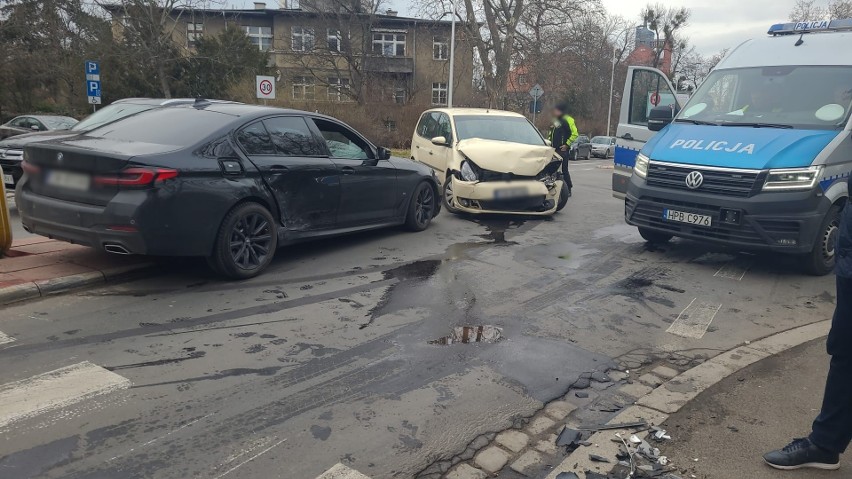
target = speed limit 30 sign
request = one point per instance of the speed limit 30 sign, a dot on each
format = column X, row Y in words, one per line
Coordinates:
column 265, row 87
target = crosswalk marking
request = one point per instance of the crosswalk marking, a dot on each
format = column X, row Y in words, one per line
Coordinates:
column 694, row 320
column 5, row 338
column 735, row 270
column 56, row 389
column 339, row 471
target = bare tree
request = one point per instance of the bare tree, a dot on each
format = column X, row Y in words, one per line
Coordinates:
column 805, row 10
column 666, row 23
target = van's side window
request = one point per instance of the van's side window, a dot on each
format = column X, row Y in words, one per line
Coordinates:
column 650, row 89
column 428, row 126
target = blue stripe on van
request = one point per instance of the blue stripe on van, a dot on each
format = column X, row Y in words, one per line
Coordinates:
column 625, row 157
column 826, row 183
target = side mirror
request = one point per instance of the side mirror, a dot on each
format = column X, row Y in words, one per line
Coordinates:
column 660, row 117
column 383, row 153
column 440, row 141
column 35, row 128
column 548, row 142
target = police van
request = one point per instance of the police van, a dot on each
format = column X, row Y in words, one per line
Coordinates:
column 757, row 158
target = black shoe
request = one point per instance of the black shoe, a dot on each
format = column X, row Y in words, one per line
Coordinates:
column 802, row 453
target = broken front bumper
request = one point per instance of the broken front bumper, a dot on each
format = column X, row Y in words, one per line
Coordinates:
column 528, row 197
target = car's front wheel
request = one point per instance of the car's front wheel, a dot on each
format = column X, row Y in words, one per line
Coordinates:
column 245, row 243
column 421, row 208
column 820, row 261
column 564, row 194
column 449, row 197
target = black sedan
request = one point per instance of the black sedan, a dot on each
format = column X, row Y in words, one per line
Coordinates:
column 229, row 182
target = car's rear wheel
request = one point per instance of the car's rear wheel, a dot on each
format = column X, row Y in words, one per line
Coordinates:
column 421, row 208
column 608, row 154
column 245, row 243
column 821, row 260
column 655, row 237
column 449, row 197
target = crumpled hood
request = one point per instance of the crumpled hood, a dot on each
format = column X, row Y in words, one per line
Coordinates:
column 505, row 157
column 737, row 147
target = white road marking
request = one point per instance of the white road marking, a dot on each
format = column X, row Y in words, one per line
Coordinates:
column 55, row 390
column 340, row 471
column 5, row 338
column 694, row 320
column 735, row 270
column 252, row 458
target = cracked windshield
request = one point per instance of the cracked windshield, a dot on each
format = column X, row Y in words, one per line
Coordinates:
column 452, row 239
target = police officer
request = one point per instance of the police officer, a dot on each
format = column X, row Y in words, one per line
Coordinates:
column 563, row 134
column 831, row 432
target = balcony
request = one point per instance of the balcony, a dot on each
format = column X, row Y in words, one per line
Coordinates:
column 385, row 64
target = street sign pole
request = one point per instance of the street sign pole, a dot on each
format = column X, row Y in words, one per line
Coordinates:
column 535, row 108
column 93, row 83
column 536, row 92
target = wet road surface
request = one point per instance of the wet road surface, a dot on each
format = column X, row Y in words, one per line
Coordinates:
column 339, row 353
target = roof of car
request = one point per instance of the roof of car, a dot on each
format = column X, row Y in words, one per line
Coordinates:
column 41, row 117
column 816, row 49
column 476, row 111
column 165, row 101
column 248, row 110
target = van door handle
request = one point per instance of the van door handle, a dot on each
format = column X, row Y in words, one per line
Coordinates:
column 627, row 136
column 278, row 168
column 348, row 170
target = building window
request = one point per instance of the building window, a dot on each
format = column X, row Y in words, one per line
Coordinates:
column 390, row 125
column 334, row 40
column 389, row 44
column 439, row 93
column 399, row 95
column 260, row 36
column 522, row 79
column 440, row 48
column 338, row 89
column 303, row 39
column 303, row 88
column 194, row 31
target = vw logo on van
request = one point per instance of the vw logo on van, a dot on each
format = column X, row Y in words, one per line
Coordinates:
column 59, row 157
column 694, row 180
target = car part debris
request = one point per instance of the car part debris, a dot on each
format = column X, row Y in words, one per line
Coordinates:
column 635, row 439
column 660, row 434
column 609, row 427
column 663, row 461
column 471, row 334
column 567, row 475
column 597, row 458
column 581, row 394
column 569, row 437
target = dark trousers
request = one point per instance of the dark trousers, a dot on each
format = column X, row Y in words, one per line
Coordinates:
column 566, row 176
column 832, row 429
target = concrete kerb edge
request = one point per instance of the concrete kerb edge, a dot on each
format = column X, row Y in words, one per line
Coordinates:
column 656, row 406
column 38, row 289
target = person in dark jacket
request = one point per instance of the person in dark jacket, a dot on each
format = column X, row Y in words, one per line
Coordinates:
column 831, row 432
column 563, row 134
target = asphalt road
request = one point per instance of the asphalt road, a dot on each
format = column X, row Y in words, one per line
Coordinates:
column 328, row 357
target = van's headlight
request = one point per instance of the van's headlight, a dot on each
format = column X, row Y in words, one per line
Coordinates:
column 792, row 178
column 641, row 168
column 468, row 171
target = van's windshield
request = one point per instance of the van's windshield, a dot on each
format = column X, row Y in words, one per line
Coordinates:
column 805, row 97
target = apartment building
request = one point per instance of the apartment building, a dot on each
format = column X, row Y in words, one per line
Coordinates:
column 322, row 53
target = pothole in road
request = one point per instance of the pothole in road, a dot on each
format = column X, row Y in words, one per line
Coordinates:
column 471, row 334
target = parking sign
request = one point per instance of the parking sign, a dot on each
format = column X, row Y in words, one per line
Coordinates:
column 265, row 87
column 93, row 82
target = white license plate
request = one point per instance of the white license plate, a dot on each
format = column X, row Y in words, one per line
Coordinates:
column 507, row 193
column 691, row 218
column 8, row 179
column 69, row 180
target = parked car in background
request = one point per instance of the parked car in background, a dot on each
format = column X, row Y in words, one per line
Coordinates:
column 490, row 161
column 581, row 149
column 30, row 123
column 229, row 182
column 603, row 146
column 12, row 149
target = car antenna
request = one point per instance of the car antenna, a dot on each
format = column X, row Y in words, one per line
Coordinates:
column 200, row 102
column 800, row 40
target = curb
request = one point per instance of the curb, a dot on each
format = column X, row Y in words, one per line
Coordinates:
column 656, row 406
column 42, row 288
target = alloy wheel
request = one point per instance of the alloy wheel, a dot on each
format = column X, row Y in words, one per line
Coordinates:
column 829, row 240
column 250, row 241
column 424, row 205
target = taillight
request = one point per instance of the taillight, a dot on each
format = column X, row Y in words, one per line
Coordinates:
column 137, row 176
column 29, row 168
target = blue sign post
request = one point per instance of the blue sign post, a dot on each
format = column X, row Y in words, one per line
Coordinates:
column 93, row 82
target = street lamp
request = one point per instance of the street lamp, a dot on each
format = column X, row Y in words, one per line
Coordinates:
column 452, row 54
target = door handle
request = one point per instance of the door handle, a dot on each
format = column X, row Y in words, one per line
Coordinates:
column 278, row 168
column 627, row 136
column 348, row 170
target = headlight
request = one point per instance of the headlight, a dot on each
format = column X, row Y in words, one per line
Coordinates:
column 641, row 168
column 792, row 178
column 468, row 171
